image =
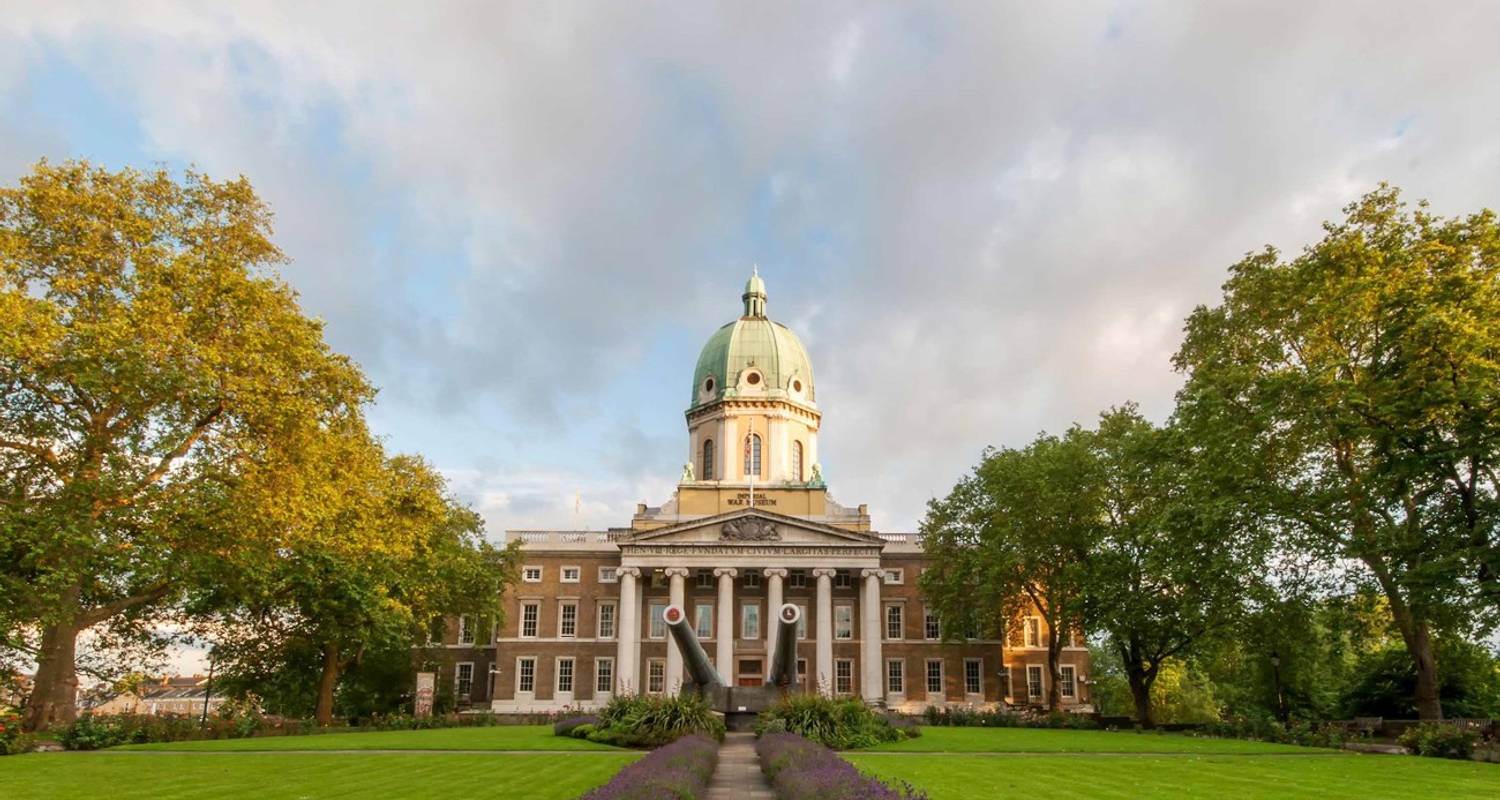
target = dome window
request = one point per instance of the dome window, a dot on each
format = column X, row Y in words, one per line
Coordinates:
column 708, row 385
column 753, row 378
column 796, row 386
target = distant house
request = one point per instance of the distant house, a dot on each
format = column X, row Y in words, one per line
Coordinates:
column 177, row 695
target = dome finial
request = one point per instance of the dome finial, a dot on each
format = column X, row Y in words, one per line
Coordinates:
column 755, row 294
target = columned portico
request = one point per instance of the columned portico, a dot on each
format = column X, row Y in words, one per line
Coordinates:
column 724, row 653
column 822, row 678
column 871, row 668
column 677, row 592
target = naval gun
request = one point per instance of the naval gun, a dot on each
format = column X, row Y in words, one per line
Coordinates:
column 738, row 704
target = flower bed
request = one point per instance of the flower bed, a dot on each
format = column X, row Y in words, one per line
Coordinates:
column 644, row 721
column 680, row 770
column 843, row 724
column 800, row 769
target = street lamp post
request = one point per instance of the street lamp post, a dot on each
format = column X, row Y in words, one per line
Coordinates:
column 1276, row 678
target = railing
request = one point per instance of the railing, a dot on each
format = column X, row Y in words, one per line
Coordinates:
column 902, row 538
column 564, row 537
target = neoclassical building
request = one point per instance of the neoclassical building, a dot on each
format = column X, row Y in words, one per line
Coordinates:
column 750, row 527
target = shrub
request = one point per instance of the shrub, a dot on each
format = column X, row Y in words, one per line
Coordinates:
column 843, row 724
column 12, row 740
column 971, row 717
column 90, row 732
column 679, row 771
column 1440, row 741
column 801, row 769
column 566, row 727
column 646, row 721
column 1263, row 729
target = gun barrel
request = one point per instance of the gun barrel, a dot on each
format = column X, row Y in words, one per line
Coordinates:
column 784, row 660
column 693, row 657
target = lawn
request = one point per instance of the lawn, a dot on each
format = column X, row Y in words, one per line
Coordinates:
column 498, row 737
column 296, row 776
column 983, row 763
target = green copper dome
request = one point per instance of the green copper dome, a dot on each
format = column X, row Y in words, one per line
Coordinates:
column 754, row 356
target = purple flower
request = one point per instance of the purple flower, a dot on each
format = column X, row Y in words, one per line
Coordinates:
column 800, row 769
column 681, row 769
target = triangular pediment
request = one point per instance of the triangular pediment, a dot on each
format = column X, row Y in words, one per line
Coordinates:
column 753, row 526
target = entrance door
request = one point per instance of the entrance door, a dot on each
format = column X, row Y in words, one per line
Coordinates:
column 750, row 673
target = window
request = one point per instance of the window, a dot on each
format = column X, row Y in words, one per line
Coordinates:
column 749, row 668
column 704, row 621
column 567, row 620
column 656, row 676
column 436, row 627
column 750, row 621
column 752, row 579
column 658, row 622
column 571, row 574
column 752, row 454
column 530, row 612
column 797, row 462
column 526, row 675
column 1034, row 682
column 802, row 622
column 895, row 677
column 531, row 574
column 843, row 622
column 609, row 574
column 843, row 579
column 843, row 676
column 1033, row 632
column 708, row 459
column 895, row 577
column 893, row 621
column 565, row 676
column 465, row 630
column 797, row 579
column 607, row 619
column 604, row 675
column 973, row 676
column 1005, row 683
column 935, row 676
column 705, row 578
column 463, row 679
column 1068, row 686
column 932, row 628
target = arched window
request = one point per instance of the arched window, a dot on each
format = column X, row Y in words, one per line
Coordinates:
column 708, row 459
column 797, row 461
column 752, row 455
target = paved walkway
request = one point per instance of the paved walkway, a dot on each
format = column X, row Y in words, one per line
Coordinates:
column 738, row 776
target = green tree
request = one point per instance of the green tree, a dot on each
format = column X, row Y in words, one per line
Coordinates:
column 1012, row 538
column 1172, row 560
column 299, row 619
column 149, row 357
column 1351, row 394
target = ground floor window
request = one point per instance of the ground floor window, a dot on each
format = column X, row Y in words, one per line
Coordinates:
column 463, row 679
column 843, row 622
column 895, row 677
column 750, row 621
column 934, row 676
column 843, row 676
column 565, row 675
column 656, row 676
column 604, row 675
column 1034, row 682
column 658, row 620
column 1067, row 685
column 526, row 675
column 973, row 676
column 705, row 620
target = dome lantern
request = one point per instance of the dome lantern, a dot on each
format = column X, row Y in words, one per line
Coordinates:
column 755, row 295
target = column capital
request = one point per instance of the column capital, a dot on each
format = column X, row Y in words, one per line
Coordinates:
column 776, row 572
column 634, row 572
column 872, row 572
column 824, row 572
column 720, row 572
column 676, row 572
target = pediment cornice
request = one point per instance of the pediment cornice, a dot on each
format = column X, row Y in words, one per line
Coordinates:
column 753, row 527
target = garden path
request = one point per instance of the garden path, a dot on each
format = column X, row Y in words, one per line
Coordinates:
column 738, row 776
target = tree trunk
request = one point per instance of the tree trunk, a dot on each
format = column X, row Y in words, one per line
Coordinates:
column 1054, row 673
column 54, row 695
column 327, row 683
column 1140, row 691
column 1418, row 638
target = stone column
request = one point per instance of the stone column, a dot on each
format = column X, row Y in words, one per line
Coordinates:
column 627, row 633
column 724, row 644
column 823, row 677
column 871, row 667
column 674, row 656
column 769, row 622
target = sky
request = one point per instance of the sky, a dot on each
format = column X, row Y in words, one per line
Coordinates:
column 985, row 220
